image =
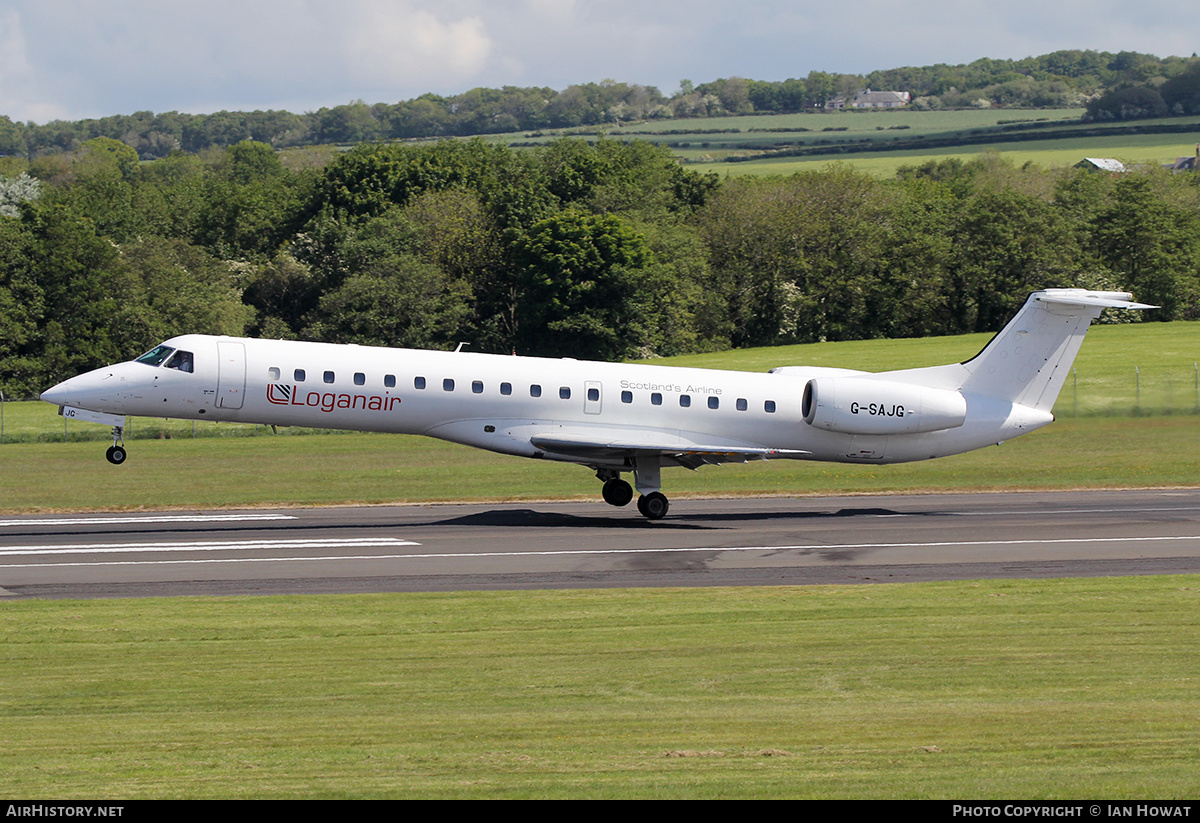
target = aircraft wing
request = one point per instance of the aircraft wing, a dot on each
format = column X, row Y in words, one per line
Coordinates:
column 643, row 444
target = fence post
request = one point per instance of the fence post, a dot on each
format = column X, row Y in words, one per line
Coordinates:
column 1137, row 403
column 1074, row 389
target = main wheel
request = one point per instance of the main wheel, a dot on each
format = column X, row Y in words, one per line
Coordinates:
column 654, row 505
column 115, row 455
column 617, row 492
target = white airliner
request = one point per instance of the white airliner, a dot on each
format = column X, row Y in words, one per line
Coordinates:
column 610, row 417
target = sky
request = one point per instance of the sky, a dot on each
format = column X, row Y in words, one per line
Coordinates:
column 74, row 59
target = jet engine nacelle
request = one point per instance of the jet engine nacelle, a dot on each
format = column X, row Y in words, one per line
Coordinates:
column 856, row 405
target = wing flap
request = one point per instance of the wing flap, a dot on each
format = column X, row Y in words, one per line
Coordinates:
column 691, row 455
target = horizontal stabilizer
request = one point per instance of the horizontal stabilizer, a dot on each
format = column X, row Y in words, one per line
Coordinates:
column 1098, row 299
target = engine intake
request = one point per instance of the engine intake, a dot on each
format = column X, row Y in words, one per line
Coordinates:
column 855, row 405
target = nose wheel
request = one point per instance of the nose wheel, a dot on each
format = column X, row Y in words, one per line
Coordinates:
column 116, row 452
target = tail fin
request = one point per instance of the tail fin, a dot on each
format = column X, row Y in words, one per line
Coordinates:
column 1028, row 360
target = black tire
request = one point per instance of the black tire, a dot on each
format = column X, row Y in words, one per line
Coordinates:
column 617, row 492
column 654, row 505
column 116, row 455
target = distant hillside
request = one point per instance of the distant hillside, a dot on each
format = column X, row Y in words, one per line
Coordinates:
column 1060, row 79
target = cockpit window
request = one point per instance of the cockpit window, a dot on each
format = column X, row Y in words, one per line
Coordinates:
column 182, row 361
column 156, row 355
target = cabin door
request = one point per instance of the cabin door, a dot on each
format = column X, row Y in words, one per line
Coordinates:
column 231, row 374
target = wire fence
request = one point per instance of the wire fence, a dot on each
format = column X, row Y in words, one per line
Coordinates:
column 1135, row 391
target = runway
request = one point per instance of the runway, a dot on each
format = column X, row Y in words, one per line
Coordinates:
column 702, row 542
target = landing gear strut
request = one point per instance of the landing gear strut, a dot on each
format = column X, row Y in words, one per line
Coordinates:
column 616, row 492
column 116, row 452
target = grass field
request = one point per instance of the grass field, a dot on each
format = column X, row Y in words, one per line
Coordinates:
column 995, row 689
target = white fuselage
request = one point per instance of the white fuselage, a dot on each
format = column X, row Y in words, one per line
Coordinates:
column 502, row 403
column 613, row 417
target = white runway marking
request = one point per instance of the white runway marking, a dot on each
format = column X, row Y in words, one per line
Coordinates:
column 166, row 518
column 203, row 546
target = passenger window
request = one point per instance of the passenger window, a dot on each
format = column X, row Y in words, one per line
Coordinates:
column 656, row 399
column 181, row 361
column 360, row 379
column 593, row 394
column 769, row 407
column 448, row 384
column 564, row 393
column 418, row 382
column 298, row 375
column 626, row 397
column 477, row 386
column 741, row 404
column 328, row 377
column 685, row 400
column 506, row 388
column 535, row 390
column 273, row 373
column 714, row 402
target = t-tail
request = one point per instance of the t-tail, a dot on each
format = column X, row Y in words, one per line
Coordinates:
column 1006, row 390
column 1027, row 363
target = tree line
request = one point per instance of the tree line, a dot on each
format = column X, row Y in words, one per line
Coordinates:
column 1069, row 78
column 603, row 251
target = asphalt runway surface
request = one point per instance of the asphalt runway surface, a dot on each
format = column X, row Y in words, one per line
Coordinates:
column 701, row 542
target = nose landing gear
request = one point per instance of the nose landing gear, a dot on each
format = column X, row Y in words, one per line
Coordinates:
column 116, row 452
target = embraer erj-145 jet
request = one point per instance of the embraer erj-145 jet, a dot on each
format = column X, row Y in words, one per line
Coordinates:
column 611, row 417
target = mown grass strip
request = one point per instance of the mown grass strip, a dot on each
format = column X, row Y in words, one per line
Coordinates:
column 1088, row 452
column 1061, row 688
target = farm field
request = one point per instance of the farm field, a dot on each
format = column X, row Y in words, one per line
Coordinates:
column 1148, row 149
column 705, row 143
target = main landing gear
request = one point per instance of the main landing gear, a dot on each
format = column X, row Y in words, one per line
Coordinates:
column 617, row 492
column 654, row 505
column 116, row 452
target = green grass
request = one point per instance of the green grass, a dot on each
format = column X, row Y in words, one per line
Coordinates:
column 1078, row 688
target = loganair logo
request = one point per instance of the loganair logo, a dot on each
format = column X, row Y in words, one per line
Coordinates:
column 284, row 395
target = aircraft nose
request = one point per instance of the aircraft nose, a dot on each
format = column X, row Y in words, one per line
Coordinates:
column 86, row 391
column 57, row 394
